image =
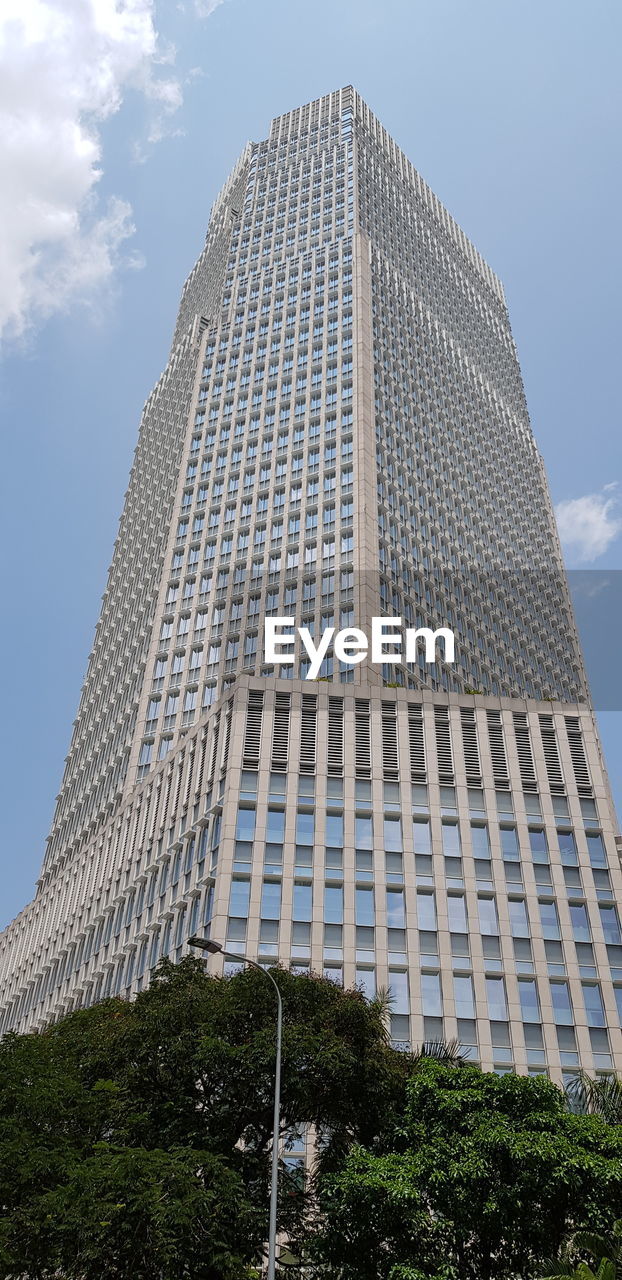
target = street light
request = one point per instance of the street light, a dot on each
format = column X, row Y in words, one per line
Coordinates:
column 205, row 944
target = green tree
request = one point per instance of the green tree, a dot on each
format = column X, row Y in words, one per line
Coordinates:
column 606, row 1271
column 135, row 1137
column 605, row 1252
column 482, row 1177
column 601, row 1096
column 123, row 1212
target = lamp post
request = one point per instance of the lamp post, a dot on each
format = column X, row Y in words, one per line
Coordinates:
column 205, row 944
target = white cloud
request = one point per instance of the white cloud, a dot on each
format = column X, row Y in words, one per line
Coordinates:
column 205, row 7
column 65, row 66
column 588, row 525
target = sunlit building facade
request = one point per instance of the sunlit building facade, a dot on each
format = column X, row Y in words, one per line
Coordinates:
column 340, row 433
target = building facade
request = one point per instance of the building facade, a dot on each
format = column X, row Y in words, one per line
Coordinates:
column 340, row 433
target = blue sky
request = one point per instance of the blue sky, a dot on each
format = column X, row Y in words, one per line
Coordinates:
column 124, row 121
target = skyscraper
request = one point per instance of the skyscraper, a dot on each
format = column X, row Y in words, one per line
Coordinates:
column 340, row 433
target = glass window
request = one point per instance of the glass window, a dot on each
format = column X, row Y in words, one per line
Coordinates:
column 596, row 849
column 431, row 996
column 509, row 843
column 451, row 840
column 529, row 1003
column 271, row 900
column 239, row 898
column 480, row 840
column 166, row 936
column 549, row 920
column 560, row 806
column 334, row 829
column 421, row 836
column 426, row 911
column 189, row 858
column 209, row 905
column 303, row 902
column 420, row 795
column 275, row 826
column 579, row 921
column 477, row 803
column 366, row 980
column 562, row 1007
column 617, row 991
column 245, row 828
column 497, row 1003
column 305, row 828
column 175, row 868
column 602, row 882
column 363, row 834
column 538, row 844
column 396, row 909
column 398, row 988
column 333, row 904
column 456, row 910
column 567, row 848
column 519, row 922
column 334, row 862
column 392, row 833
column 194, row 915
column 463, row 996
column 364, row 904
column 364, row 864
column 488, row 921
column 589, row 811
column 180, row 927
column 593, row 1001
column 611, row 923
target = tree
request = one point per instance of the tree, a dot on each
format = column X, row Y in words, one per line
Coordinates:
column 604, row 1251
column 597, row 1097
column 482, row 1177
column 135, row 1140
column 133, row 1212
column 135, row 1137
column 606, row 1271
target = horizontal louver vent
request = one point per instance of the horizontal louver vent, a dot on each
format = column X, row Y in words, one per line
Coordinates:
column 551, row 754
column 523, row 748
column 444, row 753
column 498, row 755
column 577, row 755
column 226, row 737
column 280, row 731
column 308, row 734
column 213, row 752
column 470, row 746
column 362, row 738
column 417, row 743
column 252, row 733
column 390, row 764
column 201, row 768
column 335, row 736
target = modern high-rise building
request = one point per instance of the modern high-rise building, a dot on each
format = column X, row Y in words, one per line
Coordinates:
column 340, row 433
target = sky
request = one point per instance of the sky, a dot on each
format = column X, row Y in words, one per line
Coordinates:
column 119, row 122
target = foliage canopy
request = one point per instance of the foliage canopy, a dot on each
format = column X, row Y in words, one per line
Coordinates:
column 135, row 1137
column 481, row 1179
column 135, row 1141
